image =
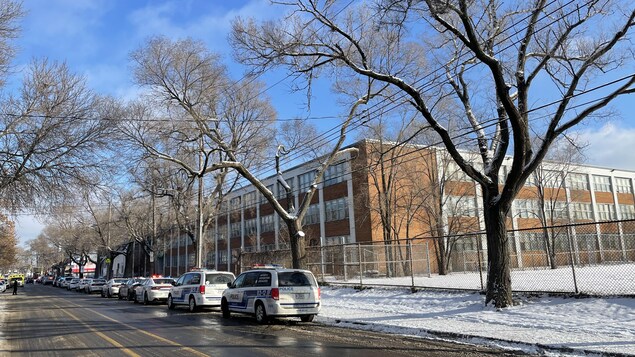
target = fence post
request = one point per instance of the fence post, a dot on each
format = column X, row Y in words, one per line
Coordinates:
column 412, row 273
column 344, row 260
column 478, row 256
column 359, row 252
column 575, row 281
column 428, row 259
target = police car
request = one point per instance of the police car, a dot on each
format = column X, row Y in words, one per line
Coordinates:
column 272, row 291
column 199, row 288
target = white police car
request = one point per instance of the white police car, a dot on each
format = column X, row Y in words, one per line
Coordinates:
column 273, row 292
column 200, row 288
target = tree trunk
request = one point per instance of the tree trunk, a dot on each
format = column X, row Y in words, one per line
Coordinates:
column 441, row 250
column 298, row 244
column 499, row 286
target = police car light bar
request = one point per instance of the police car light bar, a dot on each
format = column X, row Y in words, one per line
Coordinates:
column 267, row 266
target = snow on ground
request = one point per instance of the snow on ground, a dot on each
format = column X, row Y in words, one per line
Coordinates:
column 586, row 325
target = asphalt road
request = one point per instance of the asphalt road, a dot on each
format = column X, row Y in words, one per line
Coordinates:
column 48, row 321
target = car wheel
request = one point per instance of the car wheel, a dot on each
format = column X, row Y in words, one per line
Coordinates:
column 108, row 295
column 307, row 318
column 171, row 305
column 130, row 296
column 120, row 297
column 261, row 313
column 224, row 308
column 192, row 305
column 145, row 299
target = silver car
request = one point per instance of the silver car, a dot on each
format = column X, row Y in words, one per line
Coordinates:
column 111, row 288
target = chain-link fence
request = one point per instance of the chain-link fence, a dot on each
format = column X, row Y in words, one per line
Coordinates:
column 590, row 258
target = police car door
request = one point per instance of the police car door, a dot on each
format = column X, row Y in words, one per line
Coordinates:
column 234, row 294
column 177, row 289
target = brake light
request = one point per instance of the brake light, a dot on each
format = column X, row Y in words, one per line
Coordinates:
column 201, row 289
column 275, row 294
column 319, row 294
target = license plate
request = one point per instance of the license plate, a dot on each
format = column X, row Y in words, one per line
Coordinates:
column 300, row 296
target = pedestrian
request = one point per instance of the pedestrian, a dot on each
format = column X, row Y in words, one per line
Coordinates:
column 15, row 286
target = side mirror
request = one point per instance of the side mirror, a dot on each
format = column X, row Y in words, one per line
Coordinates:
column 173, row 283
column 229, row 285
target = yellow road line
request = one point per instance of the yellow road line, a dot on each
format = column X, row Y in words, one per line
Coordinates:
column 183, row 347
column 102, row 335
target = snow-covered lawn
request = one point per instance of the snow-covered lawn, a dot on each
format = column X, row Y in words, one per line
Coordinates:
column 615, row 279
column 590, row 324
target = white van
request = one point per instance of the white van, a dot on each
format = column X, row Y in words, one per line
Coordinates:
column 200, row 288
column 269, row 293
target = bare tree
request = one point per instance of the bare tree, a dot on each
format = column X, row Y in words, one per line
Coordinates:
column 54, row 137
column 10, row 13
column 45, row 252
column 207, row 120
column 492, row 60
column 230, row 124
column 8, row 243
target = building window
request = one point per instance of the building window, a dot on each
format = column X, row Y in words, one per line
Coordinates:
column 305, row 180
column 335, row 174
column 263, row 200
column 606, row 211
column 602, row 183
column 266, row 223
column 250, row 226
column 578, row 181
column 221, row 234
column 582, row 211
column 235, row 229
column 556, row 210
column 250, row 199
column 336, row 209
column 527, row 208
column 282, row 192
column 531, row 241
column 312, row 215
column 627, row 211
column 461, row 206
column 234, row 203
column 337, row 240
column 623, row 185
column 552, row 179
column 610, row 241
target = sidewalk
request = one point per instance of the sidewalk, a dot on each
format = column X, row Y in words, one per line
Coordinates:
column 551, row 326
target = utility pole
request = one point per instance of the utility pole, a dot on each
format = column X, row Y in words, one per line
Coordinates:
column 199, row 243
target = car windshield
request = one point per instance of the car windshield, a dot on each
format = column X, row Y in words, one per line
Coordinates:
column 295, row 278
column 218, row 278
column 119, row 281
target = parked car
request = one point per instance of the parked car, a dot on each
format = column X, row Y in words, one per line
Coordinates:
column 82, row 284
column 153, row 290
column 65, row 282
column 3, row 286
column 73, row 284
column 126, row 290
column 94, row 286
column 47, row 280
column 274, row 292
column 197, row 289
column 111, row 288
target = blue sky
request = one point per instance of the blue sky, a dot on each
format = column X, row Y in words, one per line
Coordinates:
column 94, row 37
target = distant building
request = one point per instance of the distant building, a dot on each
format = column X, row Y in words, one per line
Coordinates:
column 348, row 208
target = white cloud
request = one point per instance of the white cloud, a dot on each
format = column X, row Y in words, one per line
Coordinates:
column 611, row 146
